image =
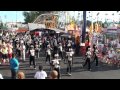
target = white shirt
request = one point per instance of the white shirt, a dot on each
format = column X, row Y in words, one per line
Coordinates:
column 69, row 44
column 56, row 63
column 0, row 34
column 22, row 48
column 113, row 52
column 110, row 54
column 32, row 52
column 48, row 51
column 40, row 75
column 21, row 41
column 60, row 48
column 1, row 77
column 88, row 53
column 69, row 58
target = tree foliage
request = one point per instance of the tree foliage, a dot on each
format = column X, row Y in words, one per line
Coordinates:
column 1, row 25
column 32, row 15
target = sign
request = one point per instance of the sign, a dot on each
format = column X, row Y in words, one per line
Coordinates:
column 51, row 21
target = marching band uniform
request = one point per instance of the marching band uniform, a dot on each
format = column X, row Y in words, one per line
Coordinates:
column 56, row 64
column 32, row 56
column 88, row 57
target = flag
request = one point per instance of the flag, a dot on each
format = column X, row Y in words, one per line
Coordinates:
column 96, row 27
column 99, row 28
column 91, row 28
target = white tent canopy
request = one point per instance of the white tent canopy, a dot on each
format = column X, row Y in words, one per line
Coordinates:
column 33, row 26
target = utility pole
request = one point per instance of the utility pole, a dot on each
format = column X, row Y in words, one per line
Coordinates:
column 16, row 20
column 84, row 27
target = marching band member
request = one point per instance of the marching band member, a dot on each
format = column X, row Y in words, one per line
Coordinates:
column 48, row 53
column 32, row 56
column 56, row 64
column 88, row 57
column 22, row 48
column 69, row 63
column 60, row 51
column 37, row 50
column 95, row 54
column 18, row 49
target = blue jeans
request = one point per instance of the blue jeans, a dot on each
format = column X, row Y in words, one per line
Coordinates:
column 14, row 73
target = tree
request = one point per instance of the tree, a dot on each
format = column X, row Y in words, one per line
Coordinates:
column 1, row 25
column 88, row 23
column 32, row 15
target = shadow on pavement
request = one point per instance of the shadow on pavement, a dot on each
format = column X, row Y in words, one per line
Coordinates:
column 103, row 67
column 6, row 77
column 4, row 68
column 29, row 75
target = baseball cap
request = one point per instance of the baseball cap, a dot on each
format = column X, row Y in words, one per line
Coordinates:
column 1, row 77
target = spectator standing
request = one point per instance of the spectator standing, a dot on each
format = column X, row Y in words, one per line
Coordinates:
column 14, row 66
column 41, row 74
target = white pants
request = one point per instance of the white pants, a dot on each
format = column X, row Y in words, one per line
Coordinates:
column 23, row 55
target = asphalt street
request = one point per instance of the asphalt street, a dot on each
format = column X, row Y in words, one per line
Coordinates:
column 104, row 71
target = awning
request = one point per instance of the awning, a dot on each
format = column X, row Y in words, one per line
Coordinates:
column 57, row 30
column 66, row 35
column 21, row 30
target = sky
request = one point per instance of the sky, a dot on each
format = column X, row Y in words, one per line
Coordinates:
column 101, row 16
column 12, row 16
